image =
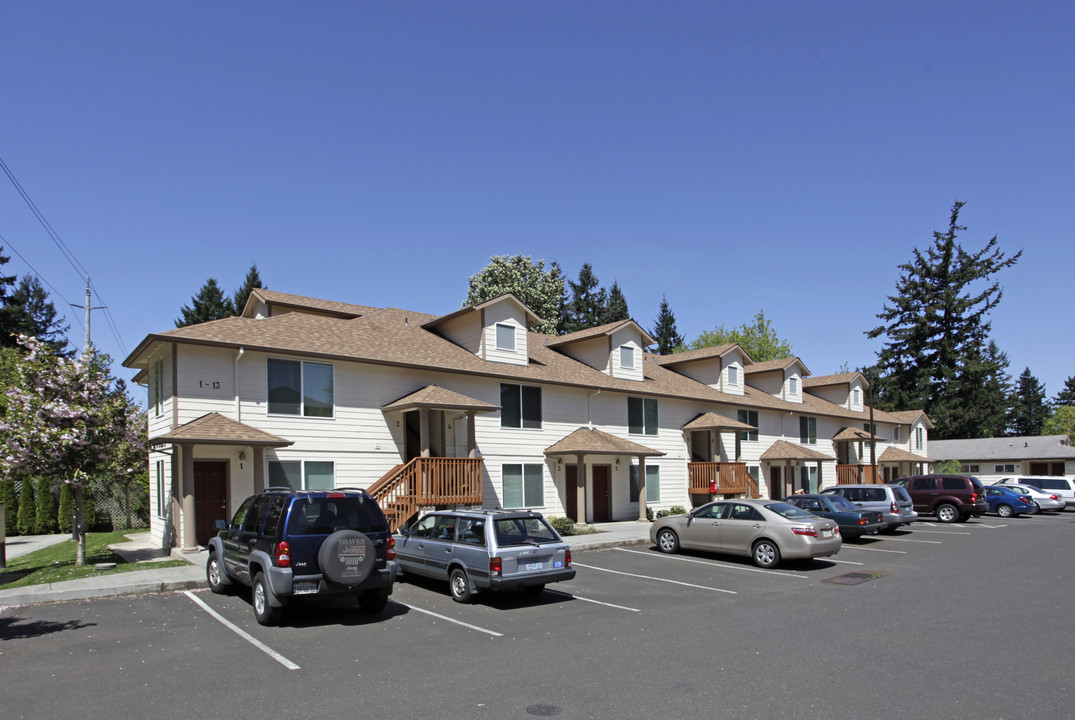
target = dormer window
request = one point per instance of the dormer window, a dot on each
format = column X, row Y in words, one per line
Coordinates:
column 627, row 357
column 733, row 375
column 505, row 337
column 856, row 397
column 793, row 386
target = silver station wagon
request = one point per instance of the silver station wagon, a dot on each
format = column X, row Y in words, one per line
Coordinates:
column 485, row 550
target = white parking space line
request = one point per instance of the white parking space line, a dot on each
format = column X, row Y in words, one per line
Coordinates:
column 242, row 633
column 940, row 532
column 595, row 602
column 648, row 577
column 870, row 549
column 494, row 633
column 844, row 562
column 707, row 562
column 926, row 542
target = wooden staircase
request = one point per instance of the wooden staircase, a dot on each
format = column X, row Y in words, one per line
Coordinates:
column 425, row 482
column 722, row 478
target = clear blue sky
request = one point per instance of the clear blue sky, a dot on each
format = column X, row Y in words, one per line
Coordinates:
column 784, row 156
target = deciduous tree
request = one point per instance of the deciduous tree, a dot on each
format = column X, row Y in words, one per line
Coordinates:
column 758, row 339
column 539, row 289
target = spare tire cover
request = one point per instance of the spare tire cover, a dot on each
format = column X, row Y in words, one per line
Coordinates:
column 347, row 557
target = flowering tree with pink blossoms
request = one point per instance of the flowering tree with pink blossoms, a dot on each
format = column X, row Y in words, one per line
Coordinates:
column 64, row 422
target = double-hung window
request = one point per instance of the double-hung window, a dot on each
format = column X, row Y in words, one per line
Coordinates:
column 653, row 483
column 162, row 491
column 158, row 387
column 733, row 375
column 627, row 357
column 300, row 388
column 524, row 485
column 505, row 337
column 520, row 406
column 302, row 474
column 750, row 417
column 808, row 430
column 642, row 416
column 919, row 438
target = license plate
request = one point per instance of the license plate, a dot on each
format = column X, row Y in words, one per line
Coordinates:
column 533, row 566
column 826, row 533
column 304, row 588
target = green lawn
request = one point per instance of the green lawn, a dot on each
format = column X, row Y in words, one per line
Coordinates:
column 57, row 562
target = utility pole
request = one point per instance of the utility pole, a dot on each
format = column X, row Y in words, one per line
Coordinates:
column 88, row 307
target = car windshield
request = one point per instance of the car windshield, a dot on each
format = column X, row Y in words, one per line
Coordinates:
column 842, row 504
column 324, row 516
column 524, row 531
column 790, row 511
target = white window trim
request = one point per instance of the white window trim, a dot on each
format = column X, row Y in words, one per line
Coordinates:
column 302, row 469
column 627, row 352
column 496, row 333
column 302, row 393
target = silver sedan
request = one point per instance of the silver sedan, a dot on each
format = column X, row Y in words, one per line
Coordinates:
column 1046, row 502
column 763, row 530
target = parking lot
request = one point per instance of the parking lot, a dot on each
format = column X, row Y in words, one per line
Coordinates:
column 965, row 620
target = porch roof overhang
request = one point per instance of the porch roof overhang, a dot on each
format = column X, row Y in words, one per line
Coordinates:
column 716, row 421
column 851, row 433
column 588, row 441
column 784, row 450
column 892, row 454
column 438, row 398
column 215, row 429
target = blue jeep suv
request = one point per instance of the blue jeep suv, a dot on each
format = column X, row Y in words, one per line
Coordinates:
column 287, row 544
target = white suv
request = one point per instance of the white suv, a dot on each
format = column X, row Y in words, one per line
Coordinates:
column 1062, row 486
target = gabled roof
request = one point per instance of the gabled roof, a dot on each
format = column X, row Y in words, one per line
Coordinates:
column 600, row 330
column 432, row 396
column 839, row 379
column 707, row 353
column 215, row 429
column 784, row 450
column 532, row 318
column 892, row 454
column 716, row 421
column 299, row 302
column 853, row 433
column 1043, row 447
column 773, row 365
column 590, row 441
column 910, row 417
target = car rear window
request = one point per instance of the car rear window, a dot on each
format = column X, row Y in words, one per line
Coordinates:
column 524, row 531
column 790, row 511
column 900, row 493
column 323, row 516
column 842, row 504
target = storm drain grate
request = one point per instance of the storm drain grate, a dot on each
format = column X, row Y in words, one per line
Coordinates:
column 543, row 710
column 855, row 578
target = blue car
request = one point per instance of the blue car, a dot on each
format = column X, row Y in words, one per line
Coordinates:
column 854, row 522
column 1007, row 503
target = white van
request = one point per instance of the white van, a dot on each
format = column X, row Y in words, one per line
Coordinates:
column 1062, row 486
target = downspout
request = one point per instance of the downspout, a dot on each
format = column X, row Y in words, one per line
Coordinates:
column 589, row 420
column 238, row 405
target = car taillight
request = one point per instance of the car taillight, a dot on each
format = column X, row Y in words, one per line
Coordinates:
column 804, row 531
column 391, row 553
column 1023, row 499
column 1054, row 497
column 567, row 558
column 974, row 497
column 863, row 521
column 496, row 567
column 894, row 508
column 283, row 554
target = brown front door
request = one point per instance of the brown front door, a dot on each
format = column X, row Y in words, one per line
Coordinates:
column 602, row 493
column 776, row 484
column 210, row 498
column 571, row 491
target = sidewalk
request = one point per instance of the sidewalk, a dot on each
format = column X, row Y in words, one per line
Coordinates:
column 192, row 576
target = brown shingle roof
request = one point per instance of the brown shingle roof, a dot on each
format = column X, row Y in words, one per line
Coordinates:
column 589, row 441
column 838, row 379
column 778, row 364
column 700, row 354
column 892, row 454
column 600, row 330
column 432, row 396
column 715, row 421
column 784, row 450
column 300, row 302
column 215, row 429
column 852, row 433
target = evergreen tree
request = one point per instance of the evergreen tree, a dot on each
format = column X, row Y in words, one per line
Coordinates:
column 615, row 306
column 33, row 314
column 27, row 517
column 8, row 314
column 66, row 512
column 539, row 289
column 209, row 304
column 758, row 339
column 586, row 308
column 1067, row 395
column 936, row 327
column 11, row 505
column 1028, row 407
column 45, row 516
column 252, row 280
column 664, row 330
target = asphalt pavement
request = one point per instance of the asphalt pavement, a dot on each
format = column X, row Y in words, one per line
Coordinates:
column 192, row 576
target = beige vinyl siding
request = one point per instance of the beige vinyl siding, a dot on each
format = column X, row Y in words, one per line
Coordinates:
column 593, row 352
column 504, row 313
column 771, row 383
column 627, row 337
column 835, row 394
column 707, row 371
column 465, row 331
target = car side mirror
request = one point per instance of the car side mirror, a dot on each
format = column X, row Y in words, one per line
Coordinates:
column 221, row 525
column 404, row 531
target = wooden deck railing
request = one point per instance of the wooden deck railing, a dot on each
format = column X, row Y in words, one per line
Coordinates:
column 721, row 478
column 857, row 475
column 427, row 481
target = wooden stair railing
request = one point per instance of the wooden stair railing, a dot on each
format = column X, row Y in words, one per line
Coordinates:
column 426, row 481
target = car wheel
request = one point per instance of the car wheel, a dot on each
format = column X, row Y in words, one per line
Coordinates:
column 347, row 557
column 1005, row 511
column 459, row 585
column 265, row 613
column 534, row 589
column 765, row 554
column 667, row 541
column 947, row 513
column 215, row 576
column 372, row 601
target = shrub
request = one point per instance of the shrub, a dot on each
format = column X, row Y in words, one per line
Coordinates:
column 45, row 516
column 563, row 525
column 65, row 514
column 677, row 510
column 11, row 505
column 27, row 516
column 649, row 514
